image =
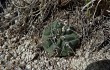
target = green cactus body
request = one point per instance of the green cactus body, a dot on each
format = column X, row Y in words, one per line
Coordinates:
column 56, row 39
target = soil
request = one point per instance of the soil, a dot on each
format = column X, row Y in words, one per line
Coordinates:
column 21, row 26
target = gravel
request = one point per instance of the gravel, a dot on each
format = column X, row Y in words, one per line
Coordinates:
column 20, row 51
column 24, row 57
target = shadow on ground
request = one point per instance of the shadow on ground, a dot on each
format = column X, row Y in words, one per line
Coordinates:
column 99, row 65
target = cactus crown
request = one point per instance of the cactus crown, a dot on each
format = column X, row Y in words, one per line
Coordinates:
column 59, row 39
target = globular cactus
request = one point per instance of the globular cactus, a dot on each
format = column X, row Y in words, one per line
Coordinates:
column 59, row 39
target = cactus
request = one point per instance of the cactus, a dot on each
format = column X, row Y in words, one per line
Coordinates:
column 58, row 39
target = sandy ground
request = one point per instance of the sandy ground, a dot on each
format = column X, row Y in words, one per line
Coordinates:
column 20, row 49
